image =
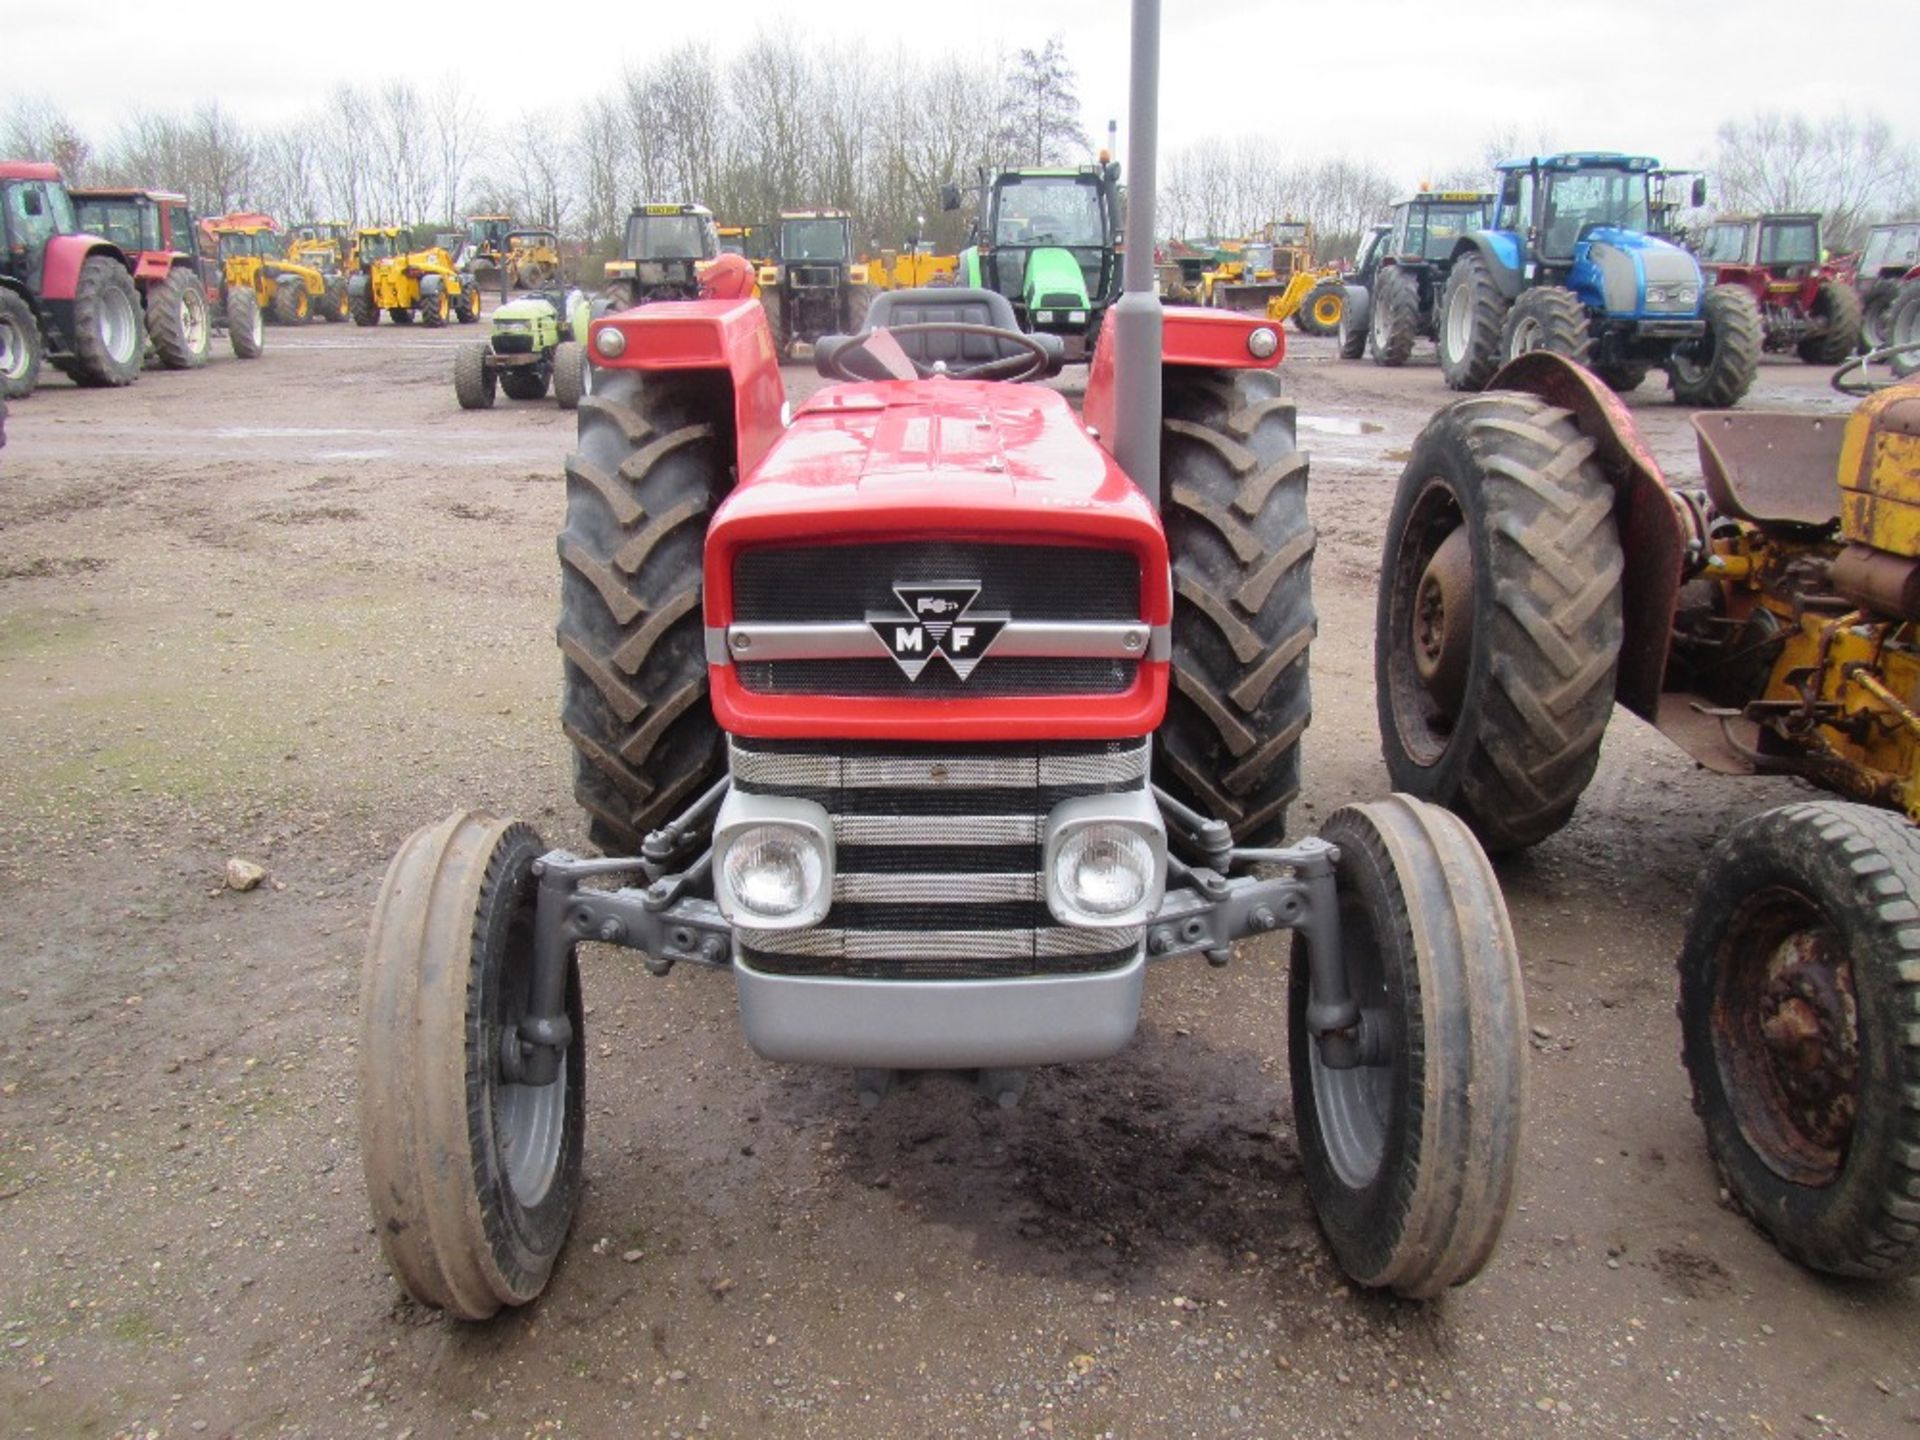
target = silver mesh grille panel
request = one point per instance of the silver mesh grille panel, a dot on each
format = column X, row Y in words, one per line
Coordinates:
column 939, row 857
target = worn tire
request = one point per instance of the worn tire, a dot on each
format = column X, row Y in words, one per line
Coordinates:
column 1903, row 328
column 526, row 384
column 21, row 348
column 1837, row 309
column 777, row 324
column 572, row 374
column 291, row 304
column 1714, row 372
column 1624, row 377
column 1816, row 1134
column 1548, row 317
column 400, row 314
column 1235, row 504
column 246, row 327
column 467, row 1213
column 1470, row 326
column 466, row 305
column 177, row 321
column 1876, row 308
column 859, row 302
column 474, row 384
column 651, row 464
column 1395, row 321
column 1412, row 1162
column 1356, row 318
column 360, row 303
column 109, row 337
column 434, row 307
column 333, row 300
column 1319, row 313
column 1520, row 651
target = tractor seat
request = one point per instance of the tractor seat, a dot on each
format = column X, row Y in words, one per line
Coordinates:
column 1772, row 469
column 935, row 305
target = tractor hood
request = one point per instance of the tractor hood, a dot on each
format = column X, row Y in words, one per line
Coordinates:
column 1628, row 272
column 531, row 307
column 1054, row 281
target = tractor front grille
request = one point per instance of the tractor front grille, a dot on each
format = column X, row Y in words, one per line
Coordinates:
column 813, row 277
column 851, row 583
column 938, row 855
column 512, row 342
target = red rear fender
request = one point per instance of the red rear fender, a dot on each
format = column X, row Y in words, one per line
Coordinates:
column 65, row 255
column 1190, row 336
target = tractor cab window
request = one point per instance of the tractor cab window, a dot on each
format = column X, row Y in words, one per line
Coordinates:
column 487, row 233
column 1790, row 242
column 1892, row 247
column 1433, row 228
column 1516, row 213
column 669, row 237
column 180, row 227
column 1725, row 243
column 376, row 247
column 813, row 240
column 1578, row 199
column 1369, row 244
column 127, row 223
column 1049, row 210
column 1290, row 234
column 31, row 221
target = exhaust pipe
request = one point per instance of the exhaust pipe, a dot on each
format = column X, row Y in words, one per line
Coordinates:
column 1136, row 318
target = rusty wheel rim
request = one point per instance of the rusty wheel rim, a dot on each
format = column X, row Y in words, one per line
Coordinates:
column 1786, row 1035
column 1429, row 623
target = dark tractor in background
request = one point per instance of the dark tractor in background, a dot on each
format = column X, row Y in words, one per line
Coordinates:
column 1394, row 299
column 660, row 257
column 814, row 286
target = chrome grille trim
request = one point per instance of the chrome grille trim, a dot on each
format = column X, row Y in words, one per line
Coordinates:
column 954, row 830
column 887, row 889
column 964, row 772
column 833, row 944
column 857, row 640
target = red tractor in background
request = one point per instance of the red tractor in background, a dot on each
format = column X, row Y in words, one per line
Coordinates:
column 65, row 296
column 155, row 230
column 1806, row 305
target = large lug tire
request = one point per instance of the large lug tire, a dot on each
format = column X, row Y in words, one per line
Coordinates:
column 1356, row 315
column 1319, row 313
column 333, row 300
column 473, row 383
column 1470, row 325
column 466, row 305
column 246, row 327
column 651, row 464
column 1876, row 308
column 1412, row 1158
column 526, row 383
column 1396, row 317
column 290, row 303
column 1836, row 309
column 20, row 347
column 1548, row 317
column 1623, row 377
column 400, row 314
column 1716, row 370
column 473, row 1179
column 776, row 314
column 572, row 374
column 1235, row 492
column 1903, row 328
column 109, row 338
column 360, row 304
column 1497, row 635
column 1799, row 983
column 434, row 307
column 859, row 302
column 177, row 321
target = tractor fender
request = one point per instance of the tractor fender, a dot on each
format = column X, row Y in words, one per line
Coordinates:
column 1192, row 337
column 1654, row 538
column 65, row 255
column 1501, row 253
column 430, row 283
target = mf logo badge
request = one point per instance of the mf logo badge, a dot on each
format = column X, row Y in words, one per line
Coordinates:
column 938, row 622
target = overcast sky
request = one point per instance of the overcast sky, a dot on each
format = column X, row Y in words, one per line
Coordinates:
column 1415, row 87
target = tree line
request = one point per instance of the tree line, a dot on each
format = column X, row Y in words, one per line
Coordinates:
column 789, row 122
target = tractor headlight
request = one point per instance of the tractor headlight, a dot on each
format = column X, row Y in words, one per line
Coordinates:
column 1043, row 317
column 1262, row 343
column 1106, row 860
column 610, row 341
column 1077, row 317
column 1678, row 295
column 772, row 862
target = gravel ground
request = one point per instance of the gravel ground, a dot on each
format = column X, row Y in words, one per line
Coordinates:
column 288, row 610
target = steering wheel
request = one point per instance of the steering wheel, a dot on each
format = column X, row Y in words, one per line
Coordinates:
column 1036, row 360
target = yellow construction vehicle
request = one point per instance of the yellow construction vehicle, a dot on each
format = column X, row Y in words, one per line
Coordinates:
column 408, row 283
column 744, row 241
column 252, row 258
column 911, row 268
column 533, row 258
column 329, row 247
column 484, row 252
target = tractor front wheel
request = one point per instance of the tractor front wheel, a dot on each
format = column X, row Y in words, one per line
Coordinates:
column 1548, row 317
column 434, row 308
column 474, row 384
column 652, row 463
column 1396, row 317
column 1243, row 620
column 109, row 339
column 333, row 300
column 1836, row 311
column 1498, row 629
column 1473, row 314
column 1319, row 313
column 177, row 320
column 360, row 303
column 1356, row 319
column 572, row 374
column 1714, row 371
column 473, row 1177
column 1799, row 981
column 1411, row 1155
column 246, row 328
column 20, row 347
column 466, row 305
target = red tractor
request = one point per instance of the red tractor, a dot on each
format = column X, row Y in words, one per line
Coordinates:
column 1806, row 305
column 155, row 230
column 931, row 716
column 65, row 296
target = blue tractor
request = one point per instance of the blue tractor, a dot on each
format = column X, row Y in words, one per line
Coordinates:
column 1572, row 264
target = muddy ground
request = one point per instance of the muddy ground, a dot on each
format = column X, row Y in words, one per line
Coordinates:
column 289, row 610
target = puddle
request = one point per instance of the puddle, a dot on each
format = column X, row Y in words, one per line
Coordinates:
column 1338, row 425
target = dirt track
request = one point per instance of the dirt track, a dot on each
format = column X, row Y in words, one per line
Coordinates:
column 290, row 610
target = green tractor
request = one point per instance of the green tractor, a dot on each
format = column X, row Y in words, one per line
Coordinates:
column 537, row 341
column 1048, row 240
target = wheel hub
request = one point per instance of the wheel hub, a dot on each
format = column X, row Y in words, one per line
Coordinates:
column 1443, row 621
column 1808, row 1024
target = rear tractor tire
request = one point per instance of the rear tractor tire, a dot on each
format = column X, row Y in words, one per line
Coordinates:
column 1498, row 630
column 1319, row 313
column 1470, row 326
column 1716, row 370
column 572, row 374
column 1396, row 318
column 466, row 305
column 1799, row 981
column 1548, row 317
column 1876, row 309
column 291, row 305
column 777, row 324
column 651, row 465
column 20, row 347
column 109, row 337
column 246, row 327
column 474, row 385
column 177, row 321
column 1412, row 1156
column 1837, row 311
column 473, row 1178
column 1243, row 619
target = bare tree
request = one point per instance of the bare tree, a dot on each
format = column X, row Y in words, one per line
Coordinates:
column 37, row 129
column 1851, row 170
column 1043, row 107
column 455, row 119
